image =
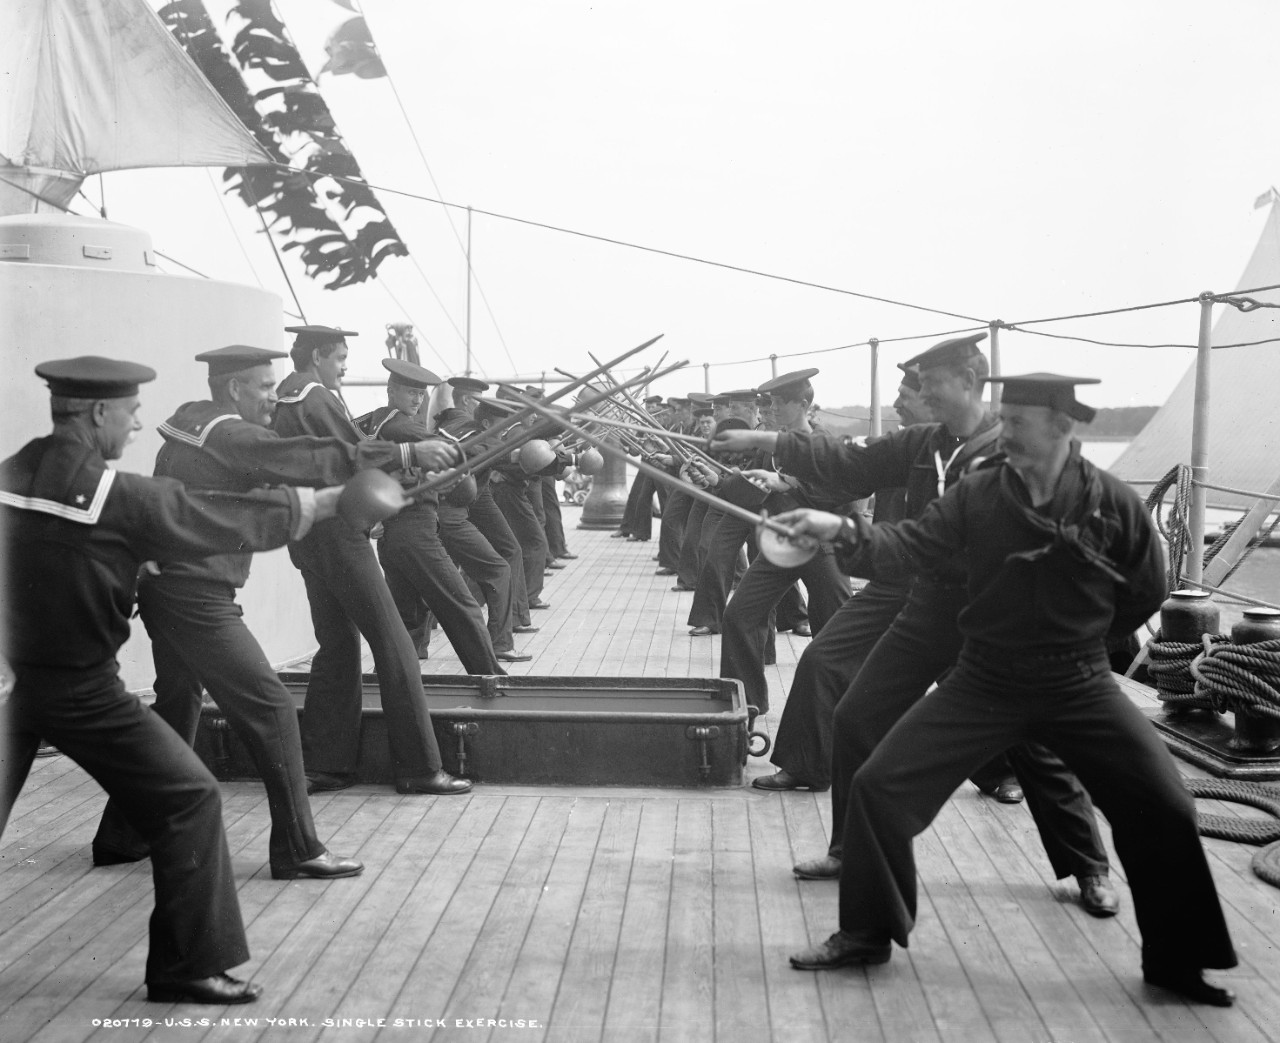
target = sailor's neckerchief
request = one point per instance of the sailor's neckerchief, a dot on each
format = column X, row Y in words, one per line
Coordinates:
column 1075, row 502
column 967, row 452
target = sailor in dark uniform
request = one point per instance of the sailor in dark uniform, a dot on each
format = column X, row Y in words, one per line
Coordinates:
column 802, row 743
column 509, row 483
column 349, row 598
column 1059, row 555
column 923, row 641
column 198, row 638
column 747, row 619
column 418, row 569
column 687, row 567
column 675, row 512
column 546, row 503
column 77, row 533
column 724, row 536
column 484, row 513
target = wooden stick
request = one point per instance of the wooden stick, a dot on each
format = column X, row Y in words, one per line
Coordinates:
column 659, row 475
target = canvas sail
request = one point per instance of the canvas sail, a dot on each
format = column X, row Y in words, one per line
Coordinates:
column 94, row 85
column 1244, row 423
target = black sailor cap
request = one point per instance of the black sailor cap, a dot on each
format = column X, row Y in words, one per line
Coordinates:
column 408, row 374
column 95, row 377
column 958, row 349
column 1046, row 389
column 789, row 385
column 235, row 357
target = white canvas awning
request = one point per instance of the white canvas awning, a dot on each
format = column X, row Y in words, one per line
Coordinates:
column 94, row 85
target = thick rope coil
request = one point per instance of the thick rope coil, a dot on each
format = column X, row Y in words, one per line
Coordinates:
column 1266, row 864
column 1231, row 827
column 1169, row 663
column 1239, row 677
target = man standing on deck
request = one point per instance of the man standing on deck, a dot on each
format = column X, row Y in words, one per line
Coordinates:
column 750, row 611
column 77, row 533
column 802, row 745
column 923, row 640
column 349, row 598
column 418, row 569
column 198, row 636
column 1059, row 556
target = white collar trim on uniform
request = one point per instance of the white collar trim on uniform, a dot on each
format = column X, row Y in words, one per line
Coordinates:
column 87, row 515
column 169, row 431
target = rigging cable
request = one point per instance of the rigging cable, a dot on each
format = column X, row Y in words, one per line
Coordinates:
column 449, row 217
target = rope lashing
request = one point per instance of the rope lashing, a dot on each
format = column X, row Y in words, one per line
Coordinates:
column 1170, row 665
column 1239, row 677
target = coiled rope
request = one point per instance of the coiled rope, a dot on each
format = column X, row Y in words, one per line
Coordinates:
column 1239, row 677
column 1231, row 827
column 1169, row 664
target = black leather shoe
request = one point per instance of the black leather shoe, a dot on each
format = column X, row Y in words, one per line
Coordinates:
column 441, row 783
column 325, row 866
column 539, row 604
column 323, row 782
column 1098, row 895
column 524, row 628
column 220, row 989
column 664, row 572
column 1006, row 792
column 802, row 630
column 703, row 631
column 566, row 556
column 840, row 950
column 513, row 657
column 1189, row 984
column 109, row 856
column 784, row 780
column 637, row 539
column 680, row 588
column 620, row 535
column 556, row 565
column 825, row 868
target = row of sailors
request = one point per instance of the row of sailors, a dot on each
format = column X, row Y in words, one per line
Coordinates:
column 1009, row 599
column 1002, row 585
column 255, row 466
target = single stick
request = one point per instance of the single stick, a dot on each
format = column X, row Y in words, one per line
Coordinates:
column 659, row 475
column 486, row 456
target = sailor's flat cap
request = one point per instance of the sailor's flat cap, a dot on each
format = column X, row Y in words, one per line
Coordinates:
column 1046, row 389
column 95, row 377
column 320, row 334
column 409, row 375
column 958, row 349
column 235, row 357
column 788, row 384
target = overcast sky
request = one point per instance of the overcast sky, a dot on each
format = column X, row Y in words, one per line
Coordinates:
column 991, row 159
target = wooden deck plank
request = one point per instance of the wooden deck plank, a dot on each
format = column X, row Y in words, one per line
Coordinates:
column 439, row 854
column 539, row 965
column 445, row 943
column 582, row 997
column 1004, row 1002
column 1065, row 930
column 1029, row 962
column 795, row 1009
column 636, row 989
column 688, row 984
column 741, row 989
column 486, row 975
